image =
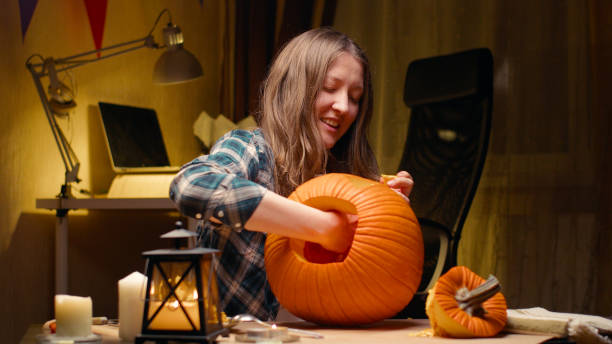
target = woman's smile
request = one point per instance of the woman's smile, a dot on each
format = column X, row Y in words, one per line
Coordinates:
column 331, row 122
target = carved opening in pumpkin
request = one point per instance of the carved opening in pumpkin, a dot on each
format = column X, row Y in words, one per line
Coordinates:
column 314, row 252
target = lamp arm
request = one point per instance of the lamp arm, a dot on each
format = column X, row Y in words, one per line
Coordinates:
column 40, row 70
column 73, row 174
column 43, row 69
column 70, row 62
column 71, row 162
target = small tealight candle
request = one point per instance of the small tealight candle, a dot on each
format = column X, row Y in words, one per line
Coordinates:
column 271, row 335
column 73, row 316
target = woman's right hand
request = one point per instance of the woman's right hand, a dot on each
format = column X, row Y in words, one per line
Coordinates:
column 338, row 236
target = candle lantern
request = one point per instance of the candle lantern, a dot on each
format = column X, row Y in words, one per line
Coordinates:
column 181, row 298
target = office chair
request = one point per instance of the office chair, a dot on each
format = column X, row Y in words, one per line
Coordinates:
column 451, row 101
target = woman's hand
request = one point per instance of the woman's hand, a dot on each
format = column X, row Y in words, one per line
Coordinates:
column 338, row 237
column 401, row 183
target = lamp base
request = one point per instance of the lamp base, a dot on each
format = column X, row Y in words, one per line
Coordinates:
column 65, row 191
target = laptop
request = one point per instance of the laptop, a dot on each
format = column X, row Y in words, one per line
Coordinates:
column 137, row 152
column 134, row 139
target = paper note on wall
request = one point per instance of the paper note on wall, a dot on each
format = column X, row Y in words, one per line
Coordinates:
column 209, row 129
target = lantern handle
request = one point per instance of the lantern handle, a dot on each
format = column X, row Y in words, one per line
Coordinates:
column 180, row 235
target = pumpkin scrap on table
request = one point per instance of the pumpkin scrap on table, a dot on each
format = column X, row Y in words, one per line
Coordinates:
column 373, row 280
column 463, row 305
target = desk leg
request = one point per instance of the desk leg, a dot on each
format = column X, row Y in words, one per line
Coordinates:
column 61, row 252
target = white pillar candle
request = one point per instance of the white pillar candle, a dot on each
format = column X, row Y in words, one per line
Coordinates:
column 131, row 305
column 73, row 316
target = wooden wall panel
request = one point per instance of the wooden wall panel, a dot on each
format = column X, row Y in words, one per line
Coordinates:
column 534, row 48
column 541, row 218
column 600, row 39
column 547, row 233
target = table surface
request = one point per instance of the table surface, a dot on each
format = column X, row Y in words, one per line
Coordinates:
column 387, row 331
column 104, row 203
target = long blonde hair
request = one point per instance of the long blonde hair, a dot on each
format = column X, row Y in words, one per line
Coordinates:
column 287, row 118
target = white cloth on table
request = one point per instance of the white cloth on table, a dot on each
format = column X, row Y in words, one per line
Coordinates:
column 584, row 329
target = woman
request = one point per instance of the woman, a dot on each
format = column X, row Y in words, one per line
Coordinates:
column 316, row 106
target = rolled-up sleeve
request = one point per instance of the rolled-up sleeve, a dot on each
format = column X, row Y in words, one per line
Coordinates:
column 222, row 184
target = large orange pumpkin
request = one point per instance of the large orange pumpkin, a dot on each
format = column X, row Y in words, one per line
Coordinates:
column 463, row 305
column 373, row 280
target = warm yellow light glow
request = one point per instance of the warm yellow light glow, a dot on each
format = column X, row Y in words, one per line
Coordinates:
column 173, row 305
column 173, row 318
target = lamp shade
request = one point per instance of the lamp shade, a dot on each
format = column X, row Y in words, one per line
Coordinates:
column 176, row 65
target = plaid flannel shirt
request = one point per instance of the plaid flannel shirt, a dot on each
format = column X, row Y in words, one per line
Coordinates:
column 228, row 184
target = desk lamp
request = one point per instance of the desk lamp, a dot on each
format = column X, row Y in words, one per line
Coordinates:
column 175, row 65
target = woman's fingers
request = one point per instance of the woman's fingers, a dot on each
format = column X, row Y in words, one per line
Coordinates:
column 402, row 183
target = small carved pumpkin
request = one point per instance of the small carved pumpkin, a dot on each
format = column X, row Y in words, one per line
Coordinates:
column 373, row 280
column 463, row 305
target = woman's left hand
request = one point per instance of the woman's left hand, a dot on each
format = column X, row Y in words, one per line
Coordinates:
column 401, row 183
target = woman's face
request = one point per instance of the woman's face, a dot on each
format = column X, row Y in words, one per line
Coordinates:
column 337, row 103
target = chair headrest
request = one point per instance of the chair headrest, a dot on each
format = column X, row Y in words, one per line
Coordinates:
column 447, row 77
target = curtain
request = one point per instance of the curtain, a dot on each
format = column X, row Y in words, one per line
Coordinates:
column 255, row 30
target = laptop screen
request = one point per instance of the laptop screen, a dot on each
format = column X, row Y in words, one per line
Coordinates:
column 133, row 136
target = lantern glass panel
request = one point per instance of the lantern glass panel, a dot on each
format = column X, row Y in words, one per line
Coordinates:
column 211, row 296
column 172, row 316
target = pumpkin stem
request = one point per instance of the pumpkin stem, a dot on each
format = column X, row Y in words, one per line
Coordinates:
column 471, row 300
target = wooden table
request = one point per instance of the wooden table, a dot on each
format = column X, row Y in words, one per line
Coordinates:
column 384, row 332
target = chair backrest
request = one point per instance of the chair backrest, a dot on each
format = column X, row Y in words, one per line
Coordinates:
column 451, row 98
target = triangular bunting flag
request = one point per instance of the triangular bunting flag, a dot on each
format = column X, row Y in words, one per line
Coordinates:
column 26, row 10
column 96, row 11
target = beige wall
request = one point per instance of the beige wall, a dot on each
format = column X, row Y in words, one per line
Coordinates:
column 104, row 246
column 540, row 220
